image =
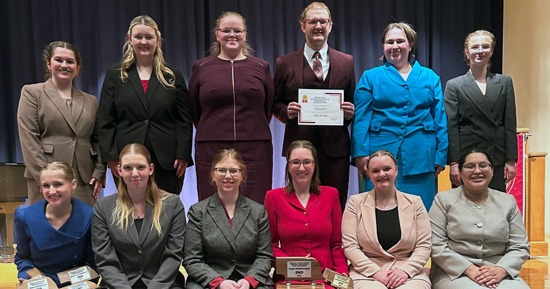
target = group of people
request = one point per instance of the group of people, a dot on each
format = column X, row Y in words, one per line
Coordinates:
column 400, row 120
column 138, row 238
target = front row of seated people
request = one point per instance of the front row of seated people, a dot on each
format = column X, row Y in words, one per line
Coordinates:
column 476, row 238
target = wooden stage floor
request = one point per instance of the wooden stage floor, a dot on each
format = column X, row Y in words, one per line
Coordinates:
column 534, row 271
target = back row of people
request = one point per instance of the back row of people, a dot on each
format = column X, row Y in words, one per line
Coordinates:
column 398, row 106
column 476, row 238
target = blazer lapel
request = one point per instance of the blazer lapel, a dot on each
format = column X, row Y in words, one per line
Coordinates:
column 368, row 211
column 55, row 98
column 334, row 68
column 472, row 91
column 494, row 89
column 242, row 211
column 136, row 83
column 406, row 217
column 147, row 223
column 217, row 212
column 78, row 104
column 153, row 84
column 299, row 67
column 133, row 233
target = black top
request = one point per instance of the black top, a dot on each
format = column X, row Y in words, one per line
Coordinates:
column 138, row 223
column 388, row 228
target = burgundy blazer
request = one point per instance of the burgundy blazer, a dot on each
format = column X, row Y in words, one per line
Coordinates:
column 316, row 229
column 289, row 78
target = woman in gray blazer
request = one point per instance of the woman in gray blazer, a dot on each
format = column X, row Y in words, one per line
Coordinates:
column 137, row 234
column 478, row 237
column 481, row 112
column 57, row 122
column 228, row 239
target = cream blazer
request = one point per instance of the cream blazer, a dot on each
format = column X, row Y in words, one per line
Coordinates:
column 360, row 239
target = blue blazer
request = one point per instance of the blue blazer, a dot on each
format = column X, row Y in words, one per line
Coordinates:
column 394, row 114
column 49, row 250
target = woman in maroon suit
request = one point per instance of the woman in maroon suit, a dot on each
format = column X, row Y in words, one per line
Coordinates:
column 231, row 95
column 305, row 218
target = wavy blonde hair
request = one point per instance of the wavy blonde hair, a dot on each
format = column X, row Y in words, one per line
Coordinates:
column 124, row 208
column 159, row 65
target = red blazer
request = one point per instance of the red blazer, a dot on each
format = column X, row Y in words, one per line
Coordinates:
column 289, row 78
column 314, row 230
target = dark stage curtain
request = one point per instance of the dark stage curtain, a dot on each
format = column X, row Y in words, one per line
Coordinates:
column 98, row 29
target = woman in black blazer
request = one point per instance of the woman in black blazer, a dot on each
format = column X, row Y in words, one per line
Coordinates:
column 481, row 112
column 145, row 101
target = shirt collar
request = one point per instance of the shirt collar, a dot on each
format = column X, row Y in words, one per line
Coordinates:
column 308, row 52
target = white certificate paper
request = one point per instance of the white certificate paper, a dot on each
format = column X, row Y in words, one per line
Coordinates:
column 320, row 107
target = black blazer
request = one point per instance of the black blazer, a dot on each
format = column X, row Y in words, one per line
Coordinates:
column 127, row 114
column 481, row 121
column 214, row 248
column 289, row 78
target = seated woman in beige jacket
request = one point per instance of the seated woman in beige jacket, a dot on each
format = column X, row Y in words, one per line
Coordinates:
column 386, row 233
column 479, row 240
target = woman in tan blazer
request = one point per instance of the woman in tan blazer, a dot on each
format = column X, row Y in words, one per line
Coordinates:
column 386, row 233
column 57, row 122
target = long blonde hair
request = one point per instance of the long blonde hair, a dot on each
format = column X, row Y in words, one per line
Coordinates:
column 124, row 208
column 159, row 65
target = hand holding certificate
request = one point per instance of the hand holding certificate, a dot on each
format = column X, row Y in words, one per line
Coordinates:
column 320, row 107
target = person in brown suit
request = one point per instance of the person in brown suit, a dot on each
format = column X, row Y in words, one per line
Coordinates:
column 57, row 122
column 294, row 71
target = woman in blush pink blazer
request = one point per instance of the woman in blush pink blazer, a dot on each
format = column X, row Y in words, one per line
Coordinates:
column 386, row 233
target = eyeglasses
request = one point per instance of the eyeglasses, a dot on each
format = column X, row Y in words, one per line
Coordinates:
column 472, row 166
column 228, row 31
column 482, row 48
column 297, row 163
column 232, row 171
column 313, row 22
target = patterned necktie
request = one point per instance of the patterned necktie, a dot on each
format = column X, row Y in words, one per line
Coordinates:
column 317, row 66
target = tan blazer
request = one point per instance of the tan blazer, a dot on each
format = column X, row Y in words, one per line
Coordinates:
column 48, row 131
column 360, row 240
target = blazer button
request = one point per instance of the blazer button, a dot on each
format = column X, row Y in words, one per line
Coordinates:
column 139, row 252
column 146, row 121
column 75, row 256
column 305, row 213
column 479, row 224
column 478, row 242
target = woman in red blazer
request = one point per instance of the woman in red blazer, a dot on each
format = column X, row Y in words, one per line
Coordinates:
column 305, row 218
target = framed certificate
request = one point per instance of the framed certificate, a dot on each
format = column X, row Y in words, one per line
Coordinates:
column 320, row 107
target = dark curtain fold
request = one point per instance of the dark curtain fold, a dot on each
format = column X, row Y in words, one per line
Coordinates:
column 98, row 29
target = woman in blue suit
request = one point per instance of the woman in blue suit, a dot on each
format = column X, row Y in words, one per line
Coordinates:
column 399, row 108
column 53, row 235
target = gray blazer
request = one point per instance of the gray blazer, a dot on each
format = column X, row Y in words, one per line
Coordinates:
column 483, row 121
column 123, row 258
column 465, row 233
column 215, row 248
